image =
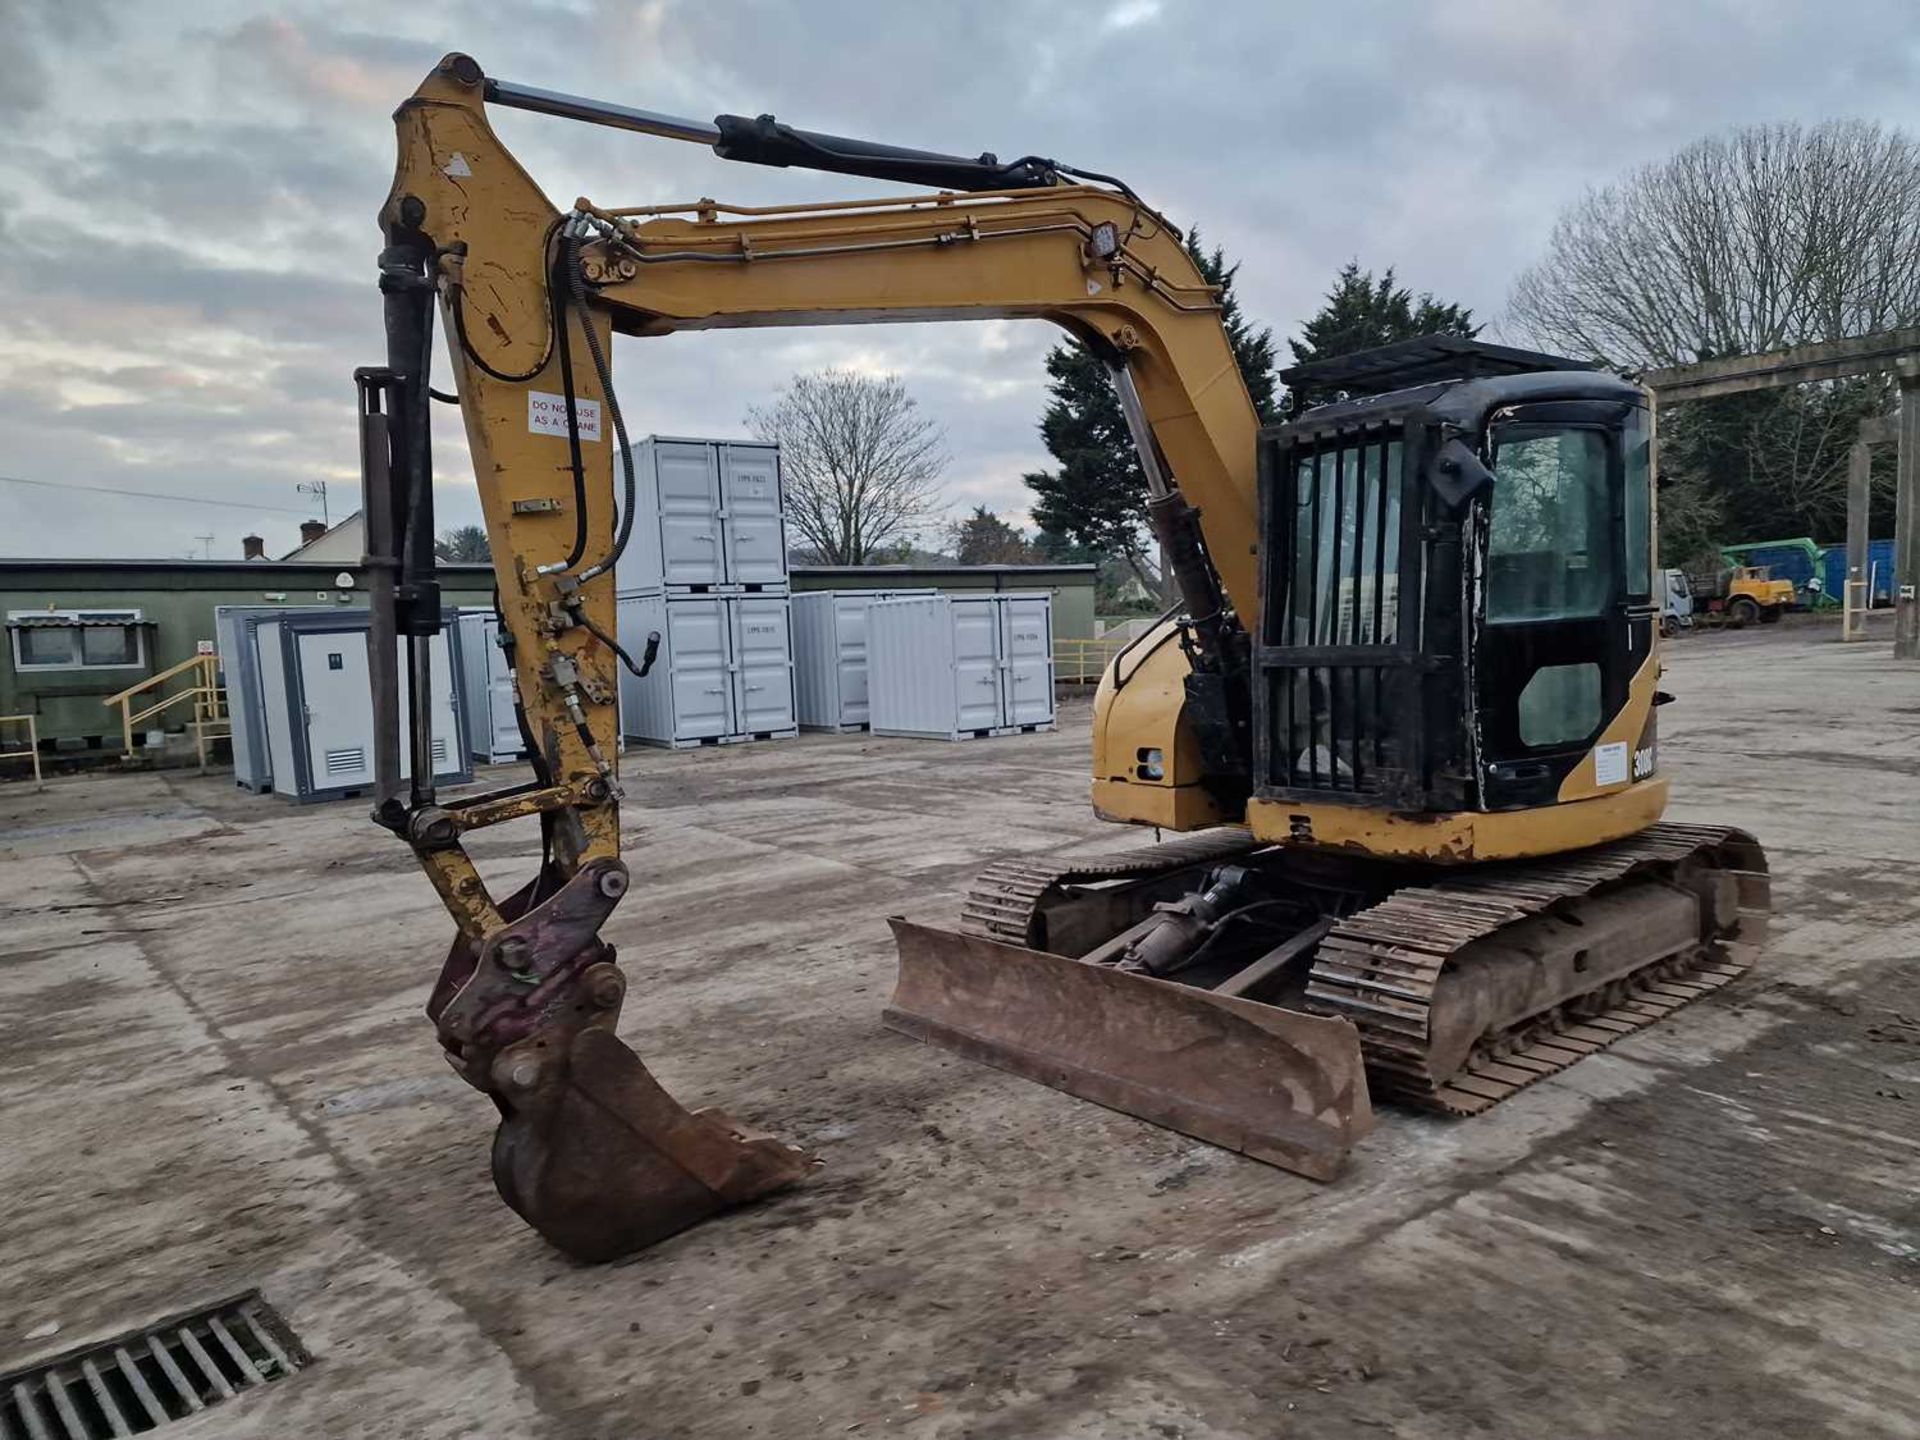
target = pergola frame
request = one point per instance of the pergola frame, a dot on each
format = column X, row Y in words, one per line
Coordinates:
column 1886, row 351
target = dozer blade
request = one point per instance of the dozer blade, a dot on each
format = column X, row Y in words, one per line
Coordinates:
column 602, row 1161
column 1277, row 1085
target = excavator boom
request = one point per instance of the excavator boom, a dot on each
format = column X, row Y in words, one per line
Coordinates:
column 591, row 1150
column 1404, row 715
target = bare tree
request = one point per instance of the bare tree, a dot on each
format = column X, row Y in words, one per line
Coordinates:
column 1766, row 236
column 1760, row 238
column 861, row 464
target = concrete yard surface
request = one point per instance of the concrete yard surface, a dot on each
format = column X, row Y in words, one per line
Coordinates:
column 217, row 1077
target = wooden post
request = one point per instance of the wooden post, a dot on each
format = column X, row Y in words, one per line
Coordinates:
column 1906, row 523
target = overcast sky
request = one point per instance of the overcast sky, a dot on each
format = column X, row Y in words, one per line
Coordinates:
column 188, row 191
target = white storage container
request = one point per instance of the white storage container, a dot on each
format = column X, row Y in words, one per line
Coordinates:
column 724, row 671
column 316, row 701
column 486, row 681
column 958, row 667
column 707, row 518
column 830, row 656
column 234, row 629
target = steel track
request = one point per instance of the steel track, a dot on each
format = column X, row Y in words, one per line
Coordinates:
column 1380, row 966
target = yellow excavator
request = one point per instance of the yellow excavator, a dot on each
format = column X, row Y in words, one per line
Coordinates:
column 1403, row 716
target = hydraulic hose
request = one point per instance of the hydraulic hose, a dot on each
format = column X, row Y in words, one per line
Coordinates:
column 577, row 285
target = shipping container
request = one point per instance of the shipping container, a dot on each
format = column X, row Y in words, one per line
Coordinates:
column 234, row 628
column 1879, row 571
column 707, row 519
column 486, row 682
column 723, row 672
column 960, row 667
column 830, row 656
column 315, row 701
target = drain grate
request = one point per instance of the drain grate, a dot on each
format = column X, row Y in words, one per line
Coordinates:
column 138, row 1382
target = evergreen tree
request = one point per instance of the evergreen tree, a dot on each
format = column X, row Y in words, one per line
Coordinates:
column 983, row 538
column 1769, row 464
column 1362, row 312
column 466, row 543
column 1253, row 348
column 1093, row 506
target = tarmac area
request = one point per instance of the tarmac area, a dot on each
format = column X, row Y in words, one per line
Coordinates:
column 218, row 1078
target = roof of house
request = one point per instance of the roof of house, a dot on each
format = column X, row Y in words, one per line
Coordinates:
column 324, row 535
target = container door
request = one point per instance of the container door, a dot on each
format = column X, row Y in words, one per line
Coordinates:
column 762, row 664
column 689, row 513
column 756, row 545
column 339, row 707
column 503, row 732
column 697, row 648
column 976, row 664
column 281, row 730
column 1026, row 651
column 447, row 759
column 850, row 657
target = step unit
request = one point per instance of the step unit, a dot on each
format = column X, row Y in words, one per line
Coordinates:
column 723, row 672
column 961, row 667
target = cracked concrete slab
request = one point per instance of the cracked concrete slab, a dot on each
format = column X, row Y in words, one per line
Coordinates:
column 218, row 1076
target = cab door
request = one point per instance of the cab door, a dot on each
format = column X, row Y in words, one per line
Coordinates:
column 1562, row 576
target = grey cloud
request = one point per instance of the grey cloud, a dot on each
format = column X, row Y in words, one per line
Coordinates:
column 254, row 183
column 37, row 31
column 51, row 276
column 207, row 250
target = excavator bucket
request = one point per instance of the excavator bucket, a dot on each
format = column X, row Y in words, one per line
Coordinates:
column 1277, row 1085
column 602, row 1161
column 591, row 1150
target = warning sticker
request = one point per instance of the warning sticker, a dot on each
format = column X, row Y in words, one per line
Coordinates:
column 547, row 415
column 1610, row 763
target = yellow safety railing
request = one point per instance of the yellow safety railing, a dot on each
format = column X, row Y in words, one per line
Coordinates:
column 33, row 745
column 210, row 718
column 1082, row 662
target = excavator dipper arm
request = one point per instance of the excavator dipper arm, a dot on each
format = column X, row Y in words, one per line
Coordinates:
column 590, row 1150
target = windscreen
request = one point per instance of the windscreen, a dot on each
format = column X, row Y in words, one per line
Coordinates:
column 1551, row 538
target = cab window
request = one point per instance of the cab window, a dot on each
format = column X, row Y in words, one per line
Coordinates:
column 1550, row 546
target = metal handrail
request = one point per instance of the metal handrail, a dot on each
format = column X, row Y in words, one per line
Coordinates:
column 1080, row 661
column 191, row 662
column 208, row 696
column 33, row 746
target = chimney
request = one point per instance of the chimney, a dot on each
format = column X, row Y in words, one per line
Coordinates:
column 253, row 547
column 312, row 530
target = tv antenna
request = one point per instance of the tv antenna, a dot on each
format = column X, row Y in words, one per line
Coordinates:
column 317, row 488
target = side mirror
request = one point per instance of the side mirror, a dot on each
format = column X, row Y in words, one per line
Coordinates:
column 1457, row 473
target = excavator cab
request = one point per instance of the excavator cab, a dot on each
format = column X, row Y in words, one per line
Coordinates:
column 1456, row 591
column 1450, row 875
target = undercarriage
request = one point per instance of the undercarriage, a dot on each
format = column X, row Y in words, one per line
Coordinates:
column 1235, row 991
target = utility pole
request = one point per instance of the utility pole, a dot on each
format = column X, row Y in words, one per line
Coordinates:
column 317, row 488
column 206, row 546
column 1906, row 524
